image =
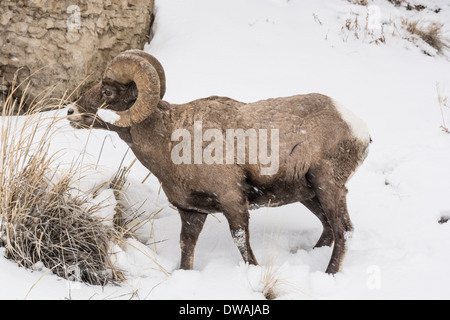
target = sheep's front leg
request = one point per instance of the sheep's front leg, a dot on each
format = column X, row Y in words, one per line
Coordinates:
column 191, row 225
column 241, row 237
column 237, row 215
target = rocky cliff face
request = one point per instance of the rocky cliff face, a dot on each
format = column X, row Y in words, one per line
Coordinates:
column 66, row 44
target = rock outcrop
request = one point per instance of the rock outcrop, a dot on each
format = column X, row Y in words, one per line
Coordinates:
column 65, row 45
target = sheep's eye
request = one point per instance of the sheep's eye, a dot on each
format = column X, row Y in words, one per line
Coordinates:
column 107, row 93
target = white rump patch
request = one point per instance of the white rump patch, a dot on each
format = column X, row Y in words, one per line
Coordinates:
column 108, row 115
column 358, row 127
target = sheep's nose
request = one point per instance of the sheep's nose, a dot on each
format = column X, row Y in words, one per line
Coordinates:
column 70, row 112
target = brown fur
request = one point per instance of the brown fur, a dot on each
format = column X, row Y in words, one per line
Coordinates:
column 318, row 153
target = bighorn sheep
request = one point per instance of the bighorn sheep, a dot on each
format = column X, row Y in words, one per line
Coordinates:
column 320, row 145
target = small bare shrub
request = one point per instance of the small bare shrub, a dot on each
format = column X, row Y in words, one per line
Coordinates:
column 397, row 3
column 359, row 2
column 354, row 27
column 443, row 103
column 271, row 280
column 443, row 220
column 351, row 27
column 316, row 19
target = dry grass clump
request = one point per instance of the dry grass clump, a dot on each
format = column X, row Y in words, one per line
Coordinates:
column 271, row 280
column 44, row 223
column 432, row 33
column 42, row 218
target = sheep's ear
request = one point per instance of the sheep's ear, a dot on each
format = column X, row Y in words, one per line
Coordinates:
column 132, row 91
column 106, row 82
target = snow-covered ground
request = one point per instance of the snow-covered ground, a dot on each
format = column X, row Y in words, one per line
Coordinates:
column 255, row 49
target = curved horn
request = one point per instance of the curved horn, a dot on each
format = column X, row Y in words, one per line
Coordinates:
column 126, row 68
column 156, row 64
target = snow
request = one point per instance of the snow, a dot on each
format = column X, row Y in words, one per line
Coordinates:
column 107, row 203
column 255, row 49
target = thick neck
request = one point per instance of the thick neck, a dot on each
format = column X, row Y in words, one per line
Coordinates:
column 150, row 139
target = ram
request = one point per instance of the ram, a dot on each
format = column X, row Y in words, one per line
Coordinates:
column 319, row 145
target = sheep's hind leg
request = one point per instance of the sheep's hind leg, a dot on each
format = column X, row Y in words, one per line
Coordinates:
column 335, row 207
column 342, row 230
column 191, row 225
column 332, row 197
column 326, row 239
